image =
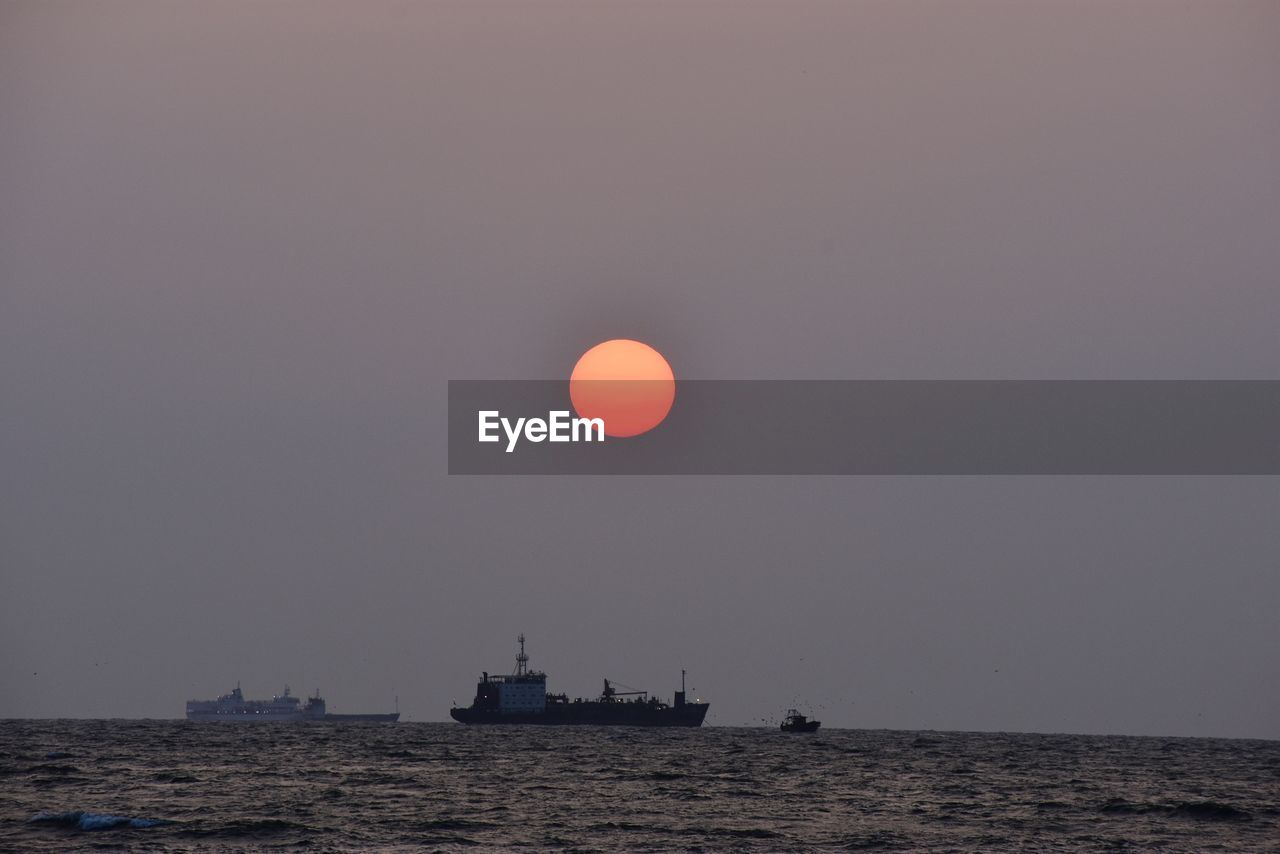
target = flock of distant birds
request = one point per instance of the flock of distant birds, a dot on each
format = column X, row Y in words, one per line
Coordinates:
column 794, row 720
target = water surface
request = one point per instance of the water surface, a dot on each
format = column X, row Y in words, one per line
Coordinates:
column 175, row 786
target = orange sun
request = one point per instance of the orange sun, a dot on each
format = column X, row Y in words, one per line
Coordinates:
column 626, row 384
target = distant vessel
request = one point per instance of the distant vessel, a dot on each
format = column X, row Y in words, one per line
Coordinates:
column 282, row 707
column 522, row 698
column 796, row 722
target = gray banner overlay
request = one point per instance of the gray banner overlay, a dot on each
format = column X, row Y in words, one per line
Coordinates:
column 823, row 427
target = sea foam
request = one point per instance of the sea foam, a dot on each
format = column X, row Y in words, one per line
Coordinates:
column 81, row 820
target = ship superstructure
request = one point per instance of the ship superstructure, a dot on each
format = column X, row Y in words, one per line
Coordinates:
column 522, row 698
column 282, row 707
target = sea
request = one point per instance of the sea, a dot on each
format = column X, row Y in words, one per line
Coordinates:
column 73, row 785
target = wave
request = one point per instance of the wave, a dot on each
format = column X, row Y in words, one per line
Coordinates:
column 80, row 820
column 1211, row 811
column 454, row 824
column 664, row 776
column 1198, row 810
column 738, row 832
column 254, row 828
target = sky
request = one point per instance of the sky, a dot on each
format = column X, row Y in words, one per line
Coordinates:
column 244, row 247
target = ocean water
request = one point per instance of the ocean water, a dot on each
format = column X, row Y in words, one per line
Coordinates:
column 176, row 786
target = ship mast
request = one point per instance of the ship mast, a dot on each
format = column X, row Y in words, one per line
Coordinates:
column 522, row 660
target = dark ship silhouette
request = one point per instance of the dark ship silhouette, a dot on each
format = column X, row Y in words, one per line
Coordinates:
column 281, row 707
column 796, row 722
column 522, row 698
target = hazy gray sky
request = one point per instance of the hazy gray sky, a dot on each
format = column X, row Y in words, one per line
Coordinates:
column 243, row 247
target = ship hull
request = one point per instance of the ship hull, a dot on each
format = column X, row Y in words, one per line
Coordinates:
column 213, row 717
column 810, row 726
column 591, row 714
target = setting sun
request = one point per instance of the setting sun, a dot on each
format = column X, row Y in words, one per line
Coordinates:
column 626, row 383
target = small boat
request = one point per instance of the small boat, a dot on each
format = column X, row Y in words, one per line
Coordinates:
column 796, row 722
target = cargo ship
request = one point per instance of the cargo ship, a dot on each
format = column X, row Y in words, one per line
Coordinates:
column 281, row 707
column 522, row 698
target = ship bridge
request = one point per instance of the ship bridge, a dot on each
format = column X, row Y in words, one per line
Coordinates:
column 521, row 692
